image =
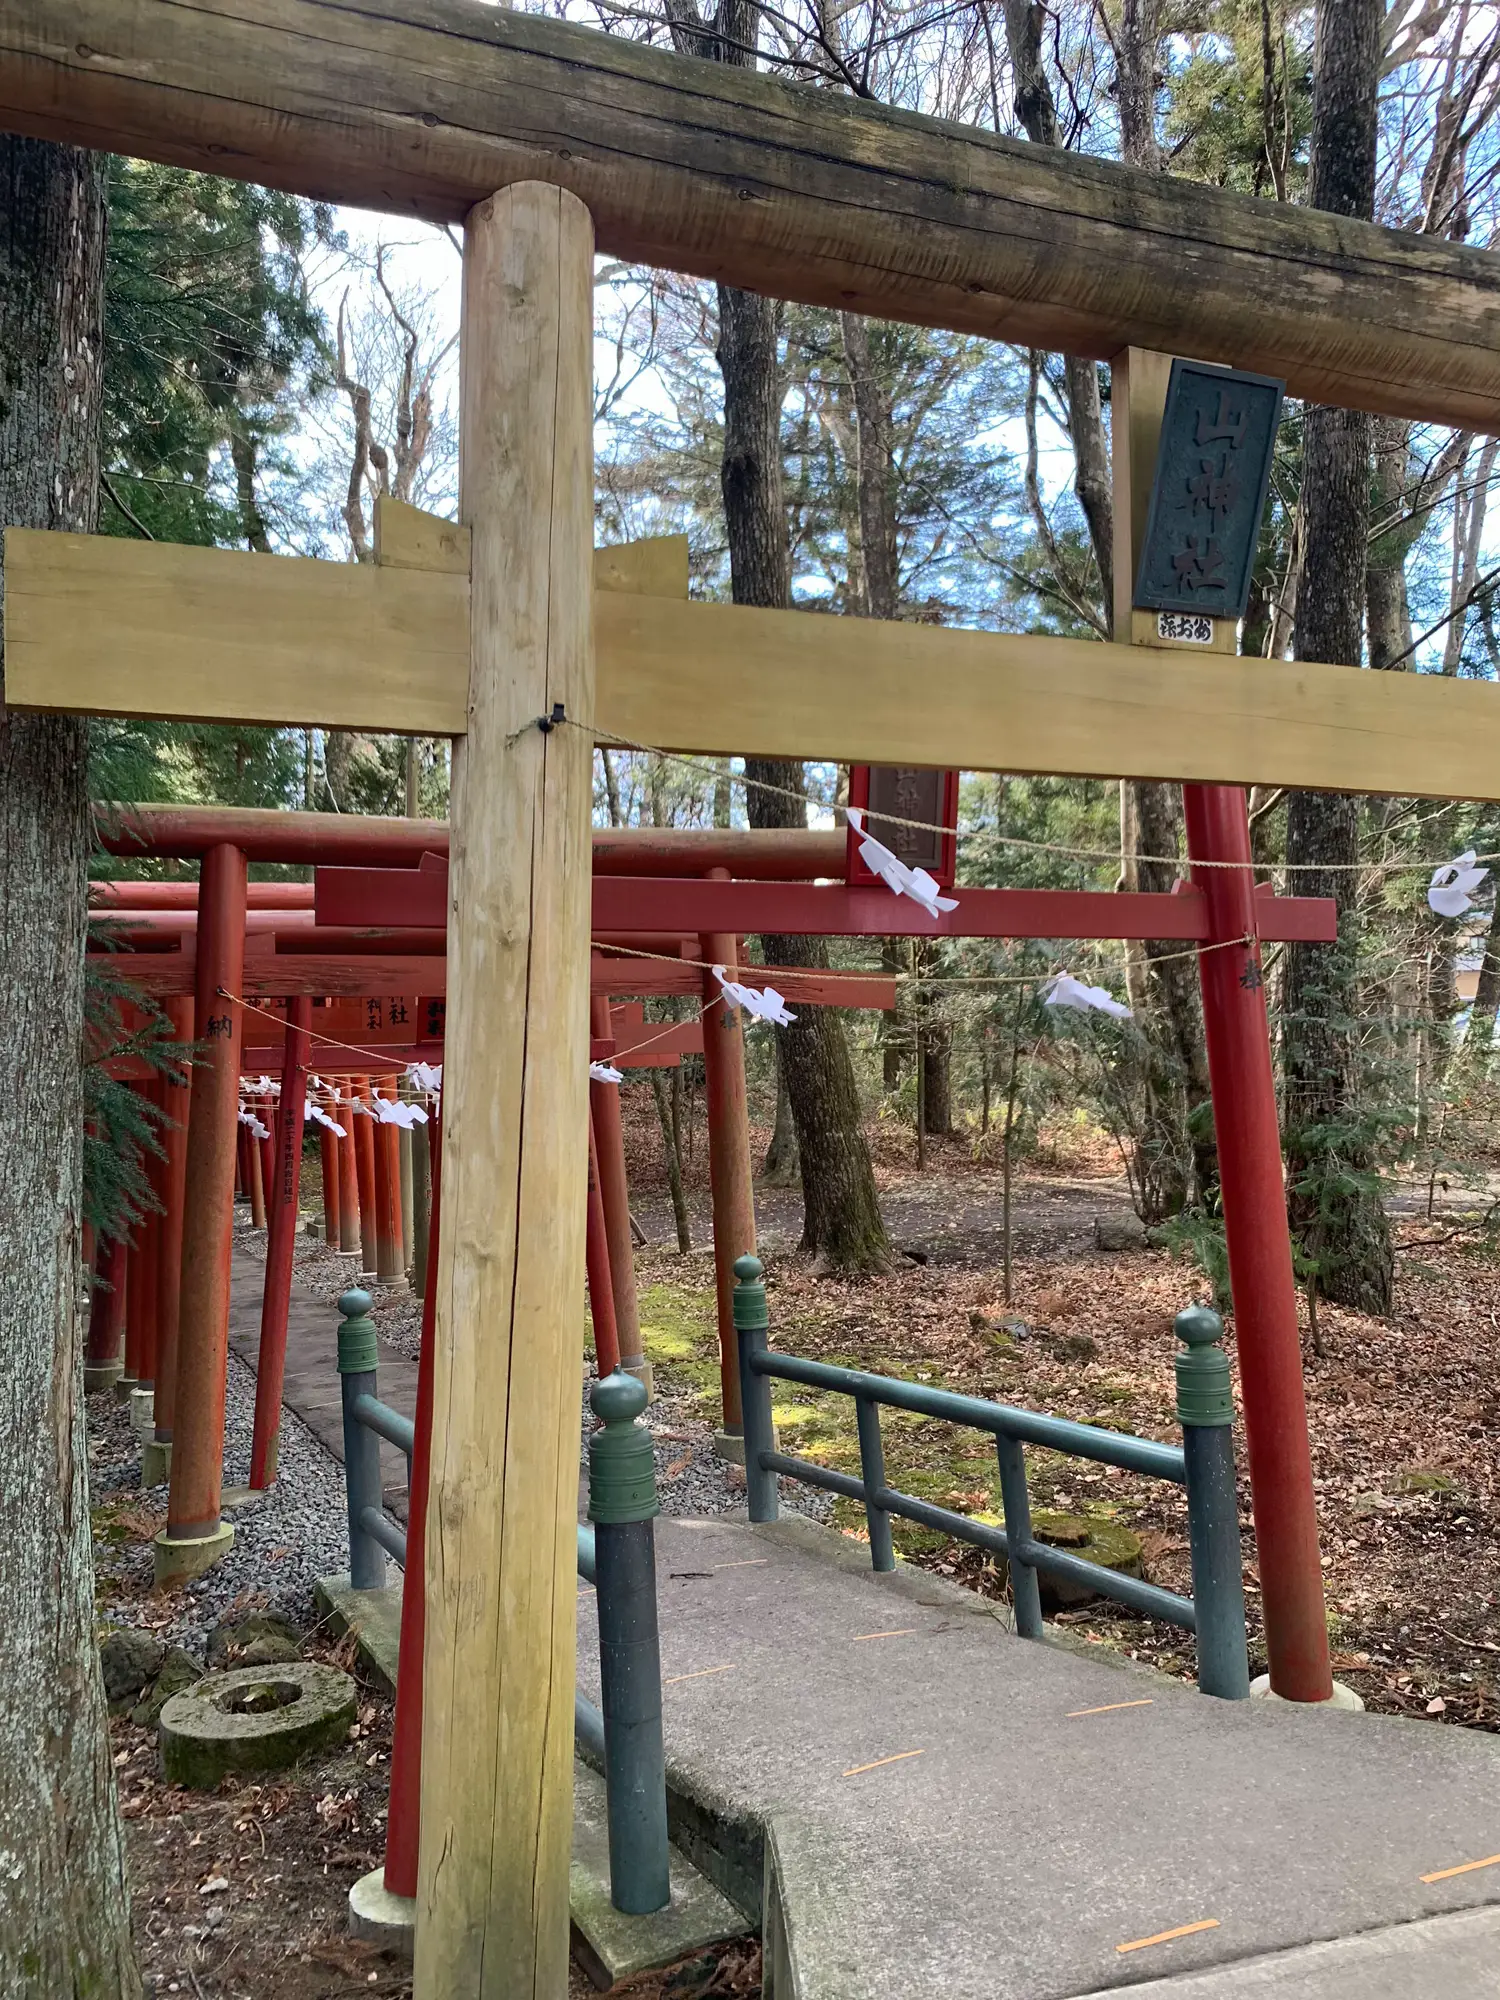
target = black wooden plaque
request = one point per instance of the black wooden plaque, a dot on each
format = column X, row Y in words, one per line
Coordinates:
column 910, row 794
column 1212, row 470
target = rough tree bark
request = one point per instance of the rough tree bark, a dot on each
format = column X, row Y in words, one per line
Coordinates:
column 879, row 596
column 842, row 1225
column 1343, row 1226
column 1025, row 23
column 875, row 473
column 1387, row 613
column 781, row 1166
column 64, row 1907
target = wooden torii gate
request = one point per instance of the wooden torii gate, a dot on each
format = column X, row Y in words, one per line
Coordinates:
column 491, row 633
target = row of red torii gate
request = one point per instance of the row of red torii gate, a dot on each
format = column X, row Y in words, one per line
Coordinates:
column 344, row 979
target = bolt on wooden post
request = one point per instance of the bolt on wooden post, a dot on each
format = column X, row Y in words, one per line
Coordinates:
column 497, row 1742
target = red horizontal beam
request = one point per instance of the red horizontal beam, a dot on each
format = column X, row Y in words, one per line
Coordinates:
column 139, row 928
column 834, row 910
column 169, row 968
column 269, row 976
column 351, row 839
column 681, row 906
column 105, row 896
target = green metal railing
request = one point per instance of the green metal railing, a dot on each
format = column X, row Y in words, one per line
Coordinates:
column 1203, row 1464
column 616, row 1553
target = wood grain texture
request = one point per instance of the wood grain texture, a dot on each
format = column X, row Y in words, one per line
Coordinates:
column 99, row 626
column 497, row 1724
column 425, row 106
column 111, row 627
column 408, row 537
column 793, row 684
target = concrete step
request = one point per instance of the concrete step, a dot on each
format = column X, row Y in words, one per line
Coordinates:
column 942, row 1809
column 1437, row 1958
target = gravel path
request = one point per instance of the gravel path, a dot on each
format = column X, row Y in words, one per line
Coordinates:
column 297, row 1533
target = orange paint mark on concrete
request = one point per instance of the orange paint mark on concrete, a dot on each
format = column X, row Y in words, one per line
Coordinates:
column 1166, row 1937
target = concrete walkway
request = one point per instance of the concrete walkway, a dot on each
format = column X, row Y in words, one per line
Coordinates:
column 947, row 1812
column 311, row 1383
column 921, row 1806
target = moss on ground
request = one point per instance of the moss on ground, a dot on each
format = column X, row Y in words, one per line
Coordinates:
column 927, row 1457
column 680, row 1335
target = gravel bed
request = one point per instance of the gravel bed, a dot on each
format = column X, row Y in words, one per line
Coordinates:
column 282, row 1543
column 691, row 1479
column 298, row 1532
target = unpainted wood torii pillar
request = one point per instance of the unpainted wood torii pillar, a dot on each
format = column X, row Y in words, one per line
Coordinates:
column 497, row 1737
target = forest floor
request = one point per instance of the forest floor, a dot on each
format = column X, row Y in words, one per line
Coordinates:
column 1403, row 1413
column 242, row 1892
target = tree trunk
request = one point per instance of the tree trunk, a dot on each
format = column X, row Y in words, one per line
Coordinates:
column 842, row 1224
column 1385, row 571
column 64, row 1907
column 338, row 756
column 780, row 1167
column 671, row 1148
column 1479, row 1041
column 937, row 1075
column 891, row 1027
column 1334, row 1201
column 875, row 474
column 1025, row 23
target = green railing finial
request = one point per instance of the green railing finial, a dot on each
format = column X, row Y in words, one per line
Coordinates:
column 749, row 1296
column 622, row 1470
column 1204, row 1397
column 358, row 1347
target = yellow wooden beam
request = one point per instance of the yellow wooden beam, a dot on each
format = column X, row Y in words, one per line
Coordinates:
column 99, row 626
column 719, row 677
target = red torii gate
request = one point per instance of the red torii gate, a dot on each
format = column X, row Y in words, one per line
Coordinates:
column 177, row 949
column 1221, row 910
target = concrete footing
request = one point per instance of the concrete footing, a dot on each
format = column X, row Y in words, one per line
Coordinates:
column 143, row 1412
column 243, row 1499
column 373, row 1616
column 156, row 1463
column 101, row 1375
column 730, row 1446
column 381, row 1918
column 611, row 1947
column 1342, row 1697
column 125, row 1386
column 178, row 1559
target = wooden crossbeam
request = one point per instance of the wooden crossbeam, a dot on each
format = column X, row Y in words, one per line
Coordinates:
column 108, row 627
column 101, row 626
column 413, row 898
column 426, row 106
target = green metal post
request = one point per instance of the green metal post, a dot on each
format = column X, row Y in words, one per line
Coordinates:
column 751, row 1326
column 1015, row 1502
column 1205, row 1409
column 358, row 1354
column 622, row 1505
column 872, row 1472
